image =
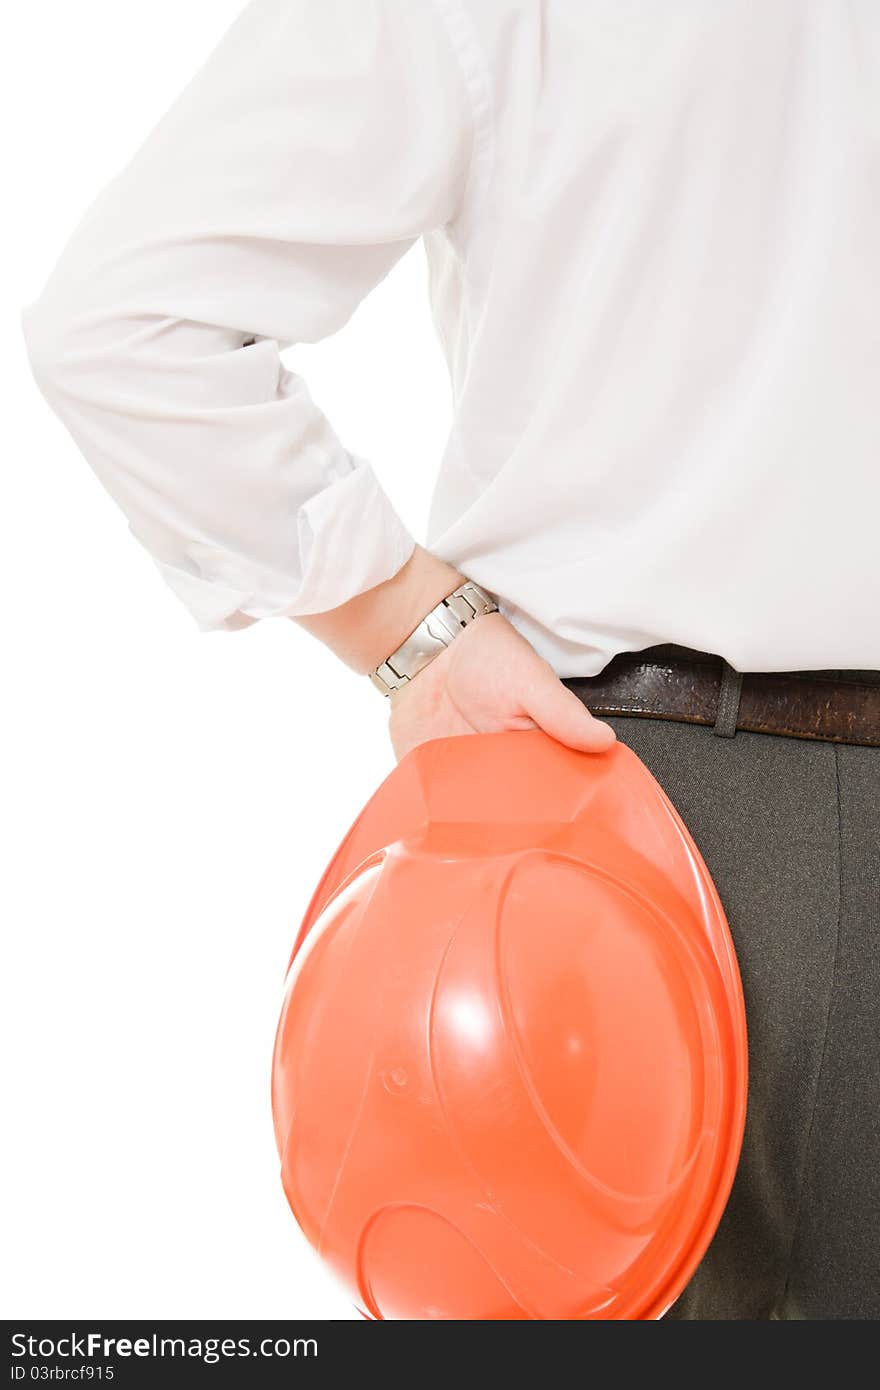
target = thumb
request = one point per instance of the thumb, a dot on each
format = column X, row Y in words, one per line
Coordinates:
column 559, row 712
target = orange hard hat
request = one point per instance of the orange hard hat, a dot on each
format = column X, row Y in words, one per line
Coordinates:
column 509, row 1077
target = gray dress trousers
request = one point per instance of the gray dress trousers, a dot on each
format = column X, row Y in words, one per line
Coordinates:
column 790, row 831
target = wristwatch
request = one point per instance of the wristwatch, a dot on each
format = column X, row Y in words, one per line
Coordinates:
column 433, row 635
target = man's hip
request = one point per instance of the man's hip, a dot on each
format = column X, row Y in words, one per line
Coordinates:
column 790, row 830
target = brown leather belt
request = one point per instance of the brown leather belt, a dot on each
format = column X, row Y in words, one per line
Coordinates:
column 676, row 683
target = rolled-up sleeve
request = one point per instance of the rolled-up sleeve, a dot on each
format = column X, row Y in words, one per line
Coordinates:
column 318, row 142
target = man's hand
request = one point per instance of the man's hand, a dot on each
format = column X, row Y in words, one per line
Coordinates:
column 490, row 679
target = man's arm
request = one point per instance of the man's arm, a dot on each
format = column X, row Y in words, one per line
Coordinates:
column 319, row 141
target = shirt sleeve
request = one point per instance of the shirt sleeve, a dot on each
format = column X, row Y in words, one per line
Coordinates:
column 318, row 142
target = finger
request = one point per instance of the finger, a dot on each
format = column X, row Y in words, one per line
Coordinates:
column 559, row 712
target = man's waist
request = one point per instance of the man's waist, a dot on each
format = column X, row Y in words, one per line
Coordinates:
column 671, row 682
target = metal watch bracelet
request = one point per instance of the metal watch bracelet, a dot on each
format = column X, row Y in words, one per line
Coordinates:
column 433, row 635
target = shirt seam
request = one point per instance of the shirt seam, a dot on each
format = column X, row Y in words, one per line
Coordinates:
column 477, row 80
column 475, row 75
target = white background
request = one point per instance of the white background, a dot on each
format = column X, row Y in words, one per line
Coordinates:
column 169, row 797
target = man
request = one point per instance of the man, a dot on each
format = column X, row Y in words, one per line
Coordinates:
column 653, row 234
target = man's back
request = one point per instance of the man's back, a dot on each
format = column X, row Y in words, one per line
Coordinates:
column 653, row 234
column 666, row 324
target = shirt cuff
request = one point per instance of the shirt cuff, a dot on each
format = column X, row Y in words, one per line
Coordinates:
column 345, row 539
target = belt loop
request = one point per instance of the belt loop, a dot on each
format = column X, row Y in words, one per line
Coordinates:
column 727, row 713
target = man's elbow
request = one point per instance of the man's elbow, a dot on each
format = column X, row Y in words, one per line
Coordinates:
column 52, row 340
column 76, row 338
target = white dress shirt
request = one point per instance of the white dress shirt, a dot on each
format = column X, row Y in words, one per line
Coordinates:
column 653, row 235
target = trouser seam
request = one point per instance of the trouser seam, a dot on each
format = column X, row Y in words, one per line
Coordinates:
column 802, row 1181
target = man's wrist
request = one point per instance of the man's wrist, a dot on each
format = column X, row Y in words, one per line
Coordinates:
column 366, row 629
column 433, row 635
